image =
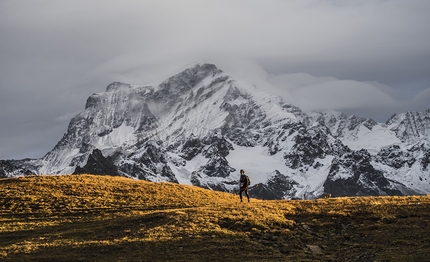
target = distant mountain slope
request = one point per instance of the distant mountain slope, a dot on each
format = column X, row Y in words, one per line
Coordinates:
column 201, row 126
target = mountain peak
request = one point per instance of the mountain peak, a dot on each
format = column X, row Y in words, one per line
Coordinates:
column 190, row 76
column 115, row 86
column 411, row 126
column 202, row 67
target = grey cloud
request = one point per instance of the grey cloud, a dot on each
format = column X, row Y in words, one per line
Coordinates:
column 57, row 53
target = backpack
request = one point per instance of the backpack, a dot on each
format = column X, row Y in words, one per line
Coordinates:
column 244, row 181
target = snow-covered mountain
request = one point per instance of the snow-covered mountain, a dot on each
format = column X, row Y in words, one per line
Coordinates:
column 201, row 127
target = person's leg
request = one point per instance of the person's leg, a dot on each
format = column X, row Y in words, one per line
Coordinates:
column 240, row 194
column 246, row 193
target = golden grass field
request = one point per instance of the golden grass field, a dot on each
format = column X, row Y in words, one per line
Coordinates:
column 102, row 218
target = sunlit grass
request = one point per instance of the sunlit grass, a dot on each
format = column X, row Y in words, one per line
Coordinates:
column 95, row 218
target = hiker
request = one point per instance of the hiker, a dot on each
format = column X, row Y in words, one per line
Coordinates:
column 244, row 182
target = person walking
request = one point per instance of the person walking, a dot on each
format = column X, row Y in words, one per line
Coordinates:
column 244, row 182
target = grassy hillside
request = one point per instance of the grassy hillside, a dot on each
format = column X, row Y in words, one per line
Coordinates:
column 95, row 218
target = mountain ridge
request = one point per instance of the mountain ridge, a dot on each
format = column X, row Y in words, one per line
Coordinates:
column 200, row 126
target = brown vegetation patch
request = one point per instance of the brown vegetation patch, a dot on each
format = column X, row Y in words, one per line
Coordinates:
column 101, row 218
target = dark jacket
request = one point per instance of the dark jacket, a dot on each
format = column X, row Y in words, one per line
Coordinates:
column 244, row 181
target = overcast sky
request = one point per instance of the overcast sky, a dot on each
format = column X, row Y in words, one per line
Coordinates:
column 369, row 58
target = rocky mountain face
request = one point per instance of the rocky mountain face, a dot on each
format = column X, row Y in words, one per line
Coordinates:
column 11, row 168
column 201, row 127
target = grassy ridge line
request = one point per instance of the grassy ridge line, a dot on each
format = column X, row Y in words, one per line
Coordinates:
column 95, row 218
column 72, row 193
